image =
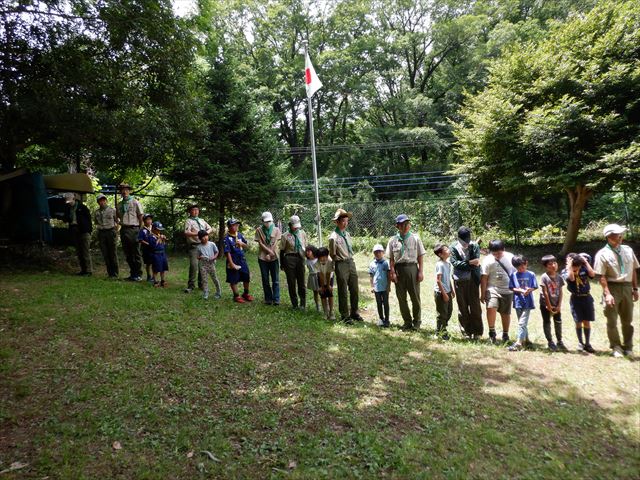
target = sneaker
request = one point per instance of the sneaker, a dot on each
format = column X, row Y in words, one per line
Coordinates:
column 445, row 336
column 205, row 295
column 505, row 338
column 475, row 337
column 580, row 347
column 515, row 347
column 247, row 297
column 356, row 316
column 617, row 352
column 238, row 299
column 552, row 346
column 589, row 348
column 629, row 354
column 562, row 347
column 217, row 296
column 188, row 290
column 347, row 320
column 150, row 279
column 156, row 284
column 386, row 325
column 381, row 323
column 332, row 316
column 137, row 279
column 493, row 340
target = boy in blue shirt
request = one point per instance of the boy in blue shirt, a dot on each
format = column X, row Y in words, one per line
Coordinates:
column 522, row 282
column 237, row 268
column 143, row 238
column 379, row 276
column 443, row 292
column 577, row 275
column 158, row 246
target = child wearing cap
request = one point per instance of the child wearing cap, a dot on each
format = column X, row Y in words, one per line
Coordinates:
column 143, row 238
column 325, row 282
column 207, row 254
column 158, row 246
column 313, row 284
column 237, row 268
column 379, row 278
column 443, row 293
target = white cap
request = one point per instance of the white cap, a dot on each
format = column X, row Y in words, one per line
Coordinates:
column 267, row 217
column 295, row 221
column 613, row 228
column 377, row 247
column 69, row 197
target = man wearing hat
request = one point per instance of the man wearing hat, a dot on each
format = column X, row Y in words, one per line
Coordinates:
column 268, row 238
column 616, row 265
column 237, row 268
column 405, row 252
column 292, row 254
column 80, row 228
column 465, row 259
column 341, row 252
column 130, row 215
column 192, row 226
column 106, row 220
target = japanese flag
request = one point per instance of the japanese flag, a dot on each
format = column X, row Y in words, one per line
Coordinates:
column 311, row 79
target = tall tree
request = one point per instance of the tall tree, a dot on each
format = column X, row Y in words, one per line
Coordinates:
column 561, row 115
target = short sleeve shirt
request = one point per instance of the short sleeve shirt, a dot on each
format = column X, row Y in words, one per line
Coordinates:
column 554, row 288
column 524, row 279
column 413, row 248
column 580, row 285
column 144, row 234
column 105, row 218
column 379, row 270
column 498, row 276
column 444, row 269
column 607, row 264
column 338, row 246
column 194, row 225
column 325, row 270
column 274, row 243
column 288, row 242
column 129, row 212
column 207, row 251
column 231, row 246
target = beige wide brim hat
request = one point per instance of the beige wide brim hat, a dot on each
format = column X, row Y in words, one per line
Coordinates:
column 342, row 213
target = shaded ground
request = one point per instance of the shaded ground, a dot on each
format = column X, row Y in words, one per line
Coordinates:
column 86, row 362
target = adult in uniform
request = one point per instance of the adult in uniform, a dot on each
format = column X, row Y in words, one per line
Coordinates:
column 106, row 220
column 192, row 226
column 341, row 252
column 268, row 238
column 616, row 265
column 80, row 228
column 405, row 252
column 130, row 215
column 292, row 254
column 465, row 260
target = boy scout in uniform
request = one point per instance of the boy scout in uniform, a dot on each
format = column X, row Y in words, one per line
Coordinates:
column 346, row 276
column 405, row 252
column 192, row 227
column 130, row 216
column 616, row 266
column 106, row 220
column 292, row 247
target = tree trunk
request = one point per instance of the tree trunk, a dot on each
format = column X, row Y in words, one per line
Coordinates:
column 578, row 197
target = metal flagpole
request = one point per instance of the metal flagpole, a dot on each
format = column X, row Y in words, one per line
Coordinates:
column 313, row 160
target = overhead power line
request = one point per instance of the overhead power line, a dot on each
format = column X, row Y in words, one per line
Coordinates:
column 393, row 145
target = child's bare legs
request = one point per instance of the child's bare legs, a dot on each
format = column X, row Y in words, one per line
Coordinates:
column 162, row 277
column 234, row 289
column 331, row 314
column 316, row 298
column 149, row 273
column 491, row 321
column 506, row 321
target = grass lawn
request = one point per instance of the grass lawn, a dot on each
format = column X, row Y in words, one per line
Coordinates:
column 107, row 379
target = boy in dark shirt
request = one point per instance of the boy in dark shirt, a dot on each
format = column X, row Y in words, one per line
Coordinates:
column 237, row 268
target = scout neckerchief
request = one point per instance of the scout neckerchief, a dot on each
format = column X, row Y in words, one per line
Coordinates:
column 619, row 255
column 344, row 236
column 124, row 204
column 267, row 233
column 297, row 244
column 197, row 219
column 402, row 239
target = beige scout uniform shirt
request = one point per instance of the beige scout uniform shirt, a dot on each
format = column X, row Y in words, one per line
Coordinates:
column 194, row 226
column 288, row 242
column 131, row 216
column 607, row 264
column 105, row 219
column 413, row 248
column 274, row 243
column 338, row 247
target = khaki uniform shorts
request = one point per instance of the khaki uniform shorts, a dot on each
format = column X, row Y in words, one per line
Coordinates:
column 501, row 301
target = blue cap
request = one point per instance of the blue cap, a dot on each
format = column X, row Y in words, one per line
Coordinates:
column 402, row 218
column 157, row 226
column 232, row 221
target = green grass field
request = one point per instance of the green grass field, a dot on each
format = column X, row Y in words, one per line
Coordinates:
column 107, row 379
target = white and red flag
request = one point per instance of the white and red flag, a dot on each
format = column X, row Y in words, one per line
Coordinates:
column 311, row 79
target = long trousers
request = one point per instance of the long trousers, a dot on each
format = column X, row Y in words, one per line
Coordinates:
column 131, row 248
column 469, row 309
column 294, row 271
column 108, row 240
column 407, row 283
column 347, row 283
column 270, row 276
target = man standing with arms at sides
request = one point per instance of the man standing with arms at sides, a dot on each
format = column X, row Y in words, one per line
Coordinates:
column 80, row 227
column 341, row 252
column 192, row 226
column 106, row 220
column 130, row 216
column 465, row 259
column 616, row 265
column 405, row 252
